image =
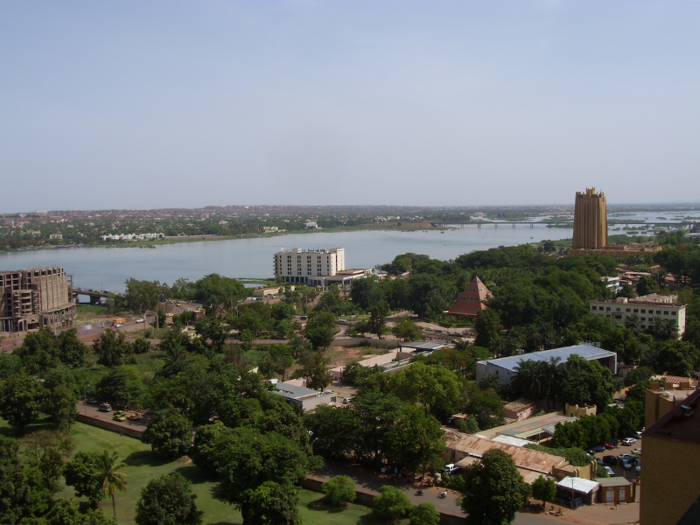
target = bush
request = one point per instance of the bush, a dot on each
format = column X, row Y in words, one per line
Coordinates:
column 468, row 425
column 339, row 491
column 391, row 504
column 424, row 514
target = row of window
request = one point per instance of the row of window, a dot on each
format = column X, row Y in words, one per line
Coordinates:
column 634, row 310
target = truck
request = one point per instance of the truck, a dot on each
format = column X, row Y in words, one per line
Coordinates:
column 118, row 321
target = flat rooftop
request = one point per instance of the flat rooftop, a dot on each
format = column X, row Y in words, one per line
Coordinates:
column 423, row 345
column 587, row 352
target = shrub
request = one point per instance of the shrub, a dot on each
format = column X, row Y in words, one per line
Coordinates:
column 339, row 491
column 424, row 514
column 391, row 504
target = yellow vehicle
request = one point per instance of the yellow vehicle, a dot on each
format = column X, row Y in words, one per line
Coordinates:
column 120, row 413
column 119, row 417
column 133, row 417
column 118, row 321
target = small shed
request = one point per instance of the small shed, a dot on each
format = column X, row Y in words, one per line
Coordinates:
column 615, row 490
column 577, row 491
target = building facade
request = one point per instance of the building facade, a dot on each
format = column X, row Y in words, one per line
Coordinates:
column 647, row 309
column 590, row 220
column 297, row 265
column 34, row 298
column 671, row 465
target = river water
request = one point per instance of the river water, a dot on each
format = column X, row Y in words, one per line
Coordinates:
column 108, row 268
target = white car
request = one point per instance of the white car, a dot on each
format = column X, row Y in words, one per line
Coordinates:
column 629, row 441
column 610, row 471
column 450, row 468
column 139, row 320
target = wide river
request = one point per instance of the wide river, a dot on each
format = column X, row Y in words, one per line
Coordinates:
column 108, row 268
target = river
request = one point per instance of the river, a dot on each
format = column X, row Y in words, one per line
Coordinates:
column 108, row 268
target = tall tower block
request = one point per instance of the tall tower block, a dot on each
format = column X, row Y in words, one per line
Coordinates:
column 590, row 220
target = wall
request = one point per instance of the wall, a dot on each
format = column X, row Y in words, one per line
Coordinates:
column 671, row 483
column 108, row 425
column 367, row 499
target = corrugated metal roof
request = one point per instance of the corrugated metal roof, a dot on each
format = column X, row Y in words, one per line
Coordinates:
column 530, row 476
column 423, row 345
column 586, row 351
column 616, row 481
column 525, row 458
column 294, row 391
column 581, row 485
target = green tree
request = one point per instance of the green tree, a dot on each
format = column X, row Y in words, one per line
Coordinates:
column 494, row 490
column 60, row 405
column 337, row 431
column 434, row 386
column 112, row 348
column 217, row 292
column 82, row 473
column 121, row 386
column 169, row 433
column 339, row 491
column 468, row 425
column 71, row 350
column 391, row 504
column 647, row 286
column 273, row 503
column 15, row 495
column 585, row 382
column 168, row 500
column 109, row 478
column 145, row 295
column 484, row 405
column 314, row 367
column 424, row 514
column 544, row 489
column 22, row 398
column 488, row 328
column 406, row 329
column 66, row 511
column 320, row 329
column 248, row 458
column 377, row 318
column 415, row 440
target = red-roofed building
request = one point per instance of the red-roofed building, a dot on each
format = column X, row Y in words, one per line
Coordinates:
column 472, row 300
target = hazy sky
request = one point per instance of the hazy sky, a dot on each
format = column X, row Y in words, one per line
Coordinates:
column 151, row 104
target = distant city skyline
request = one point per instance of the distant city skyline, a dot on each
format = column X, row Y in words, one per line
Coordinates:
column 152, row 105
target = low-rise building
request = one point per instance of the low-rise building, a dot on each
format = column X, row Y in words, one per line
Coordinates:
column 660, row 400
column 303, row 397
column 616, row 490
column 645, row 309
column 506, row 368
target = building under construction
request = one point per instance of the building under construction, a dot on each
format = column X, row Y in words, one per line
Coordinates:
column 34, row 298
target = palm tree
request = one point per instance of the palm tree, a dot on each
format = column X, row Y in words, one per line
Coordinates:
column 110, row 479
column 632, row 322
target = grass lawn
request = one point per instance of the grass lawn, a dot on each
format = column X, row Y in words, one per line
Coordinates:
column 142, row 466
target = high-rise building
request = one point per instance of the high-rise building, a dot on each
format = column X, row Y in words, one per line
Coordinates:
column 590, row 220
column 297, row 265
column 34, row 298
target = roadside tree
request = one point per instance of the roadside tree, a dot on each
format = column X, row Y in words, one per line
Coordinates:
column 544, row 489
column 424, row 514
column 320, row 329
column 494, row 490
column 111, row 348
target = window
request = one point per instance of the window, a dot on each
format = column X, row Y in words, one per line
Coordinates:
column 618, row 316
column 644, row 318
column 658, row 312
column 617, row 309
column 635, row 310
column 627, row 310
column 607, row 308
column 673, row 313
column 644, row 311
column 594, row 307
column 665, row 312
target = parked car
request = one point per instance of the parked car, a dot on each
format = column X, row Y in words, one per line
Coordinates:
column 610, row 472
column 626, row 457
column 93, row 402
column 610, row 460
column 614, row 442
column 637, row 452
column 120, row 413
column 600, row 462
column 598, row 448
column 609, row 446
column 629, row 441
column 119, row 417
column 139, row 320
column 347, row 400
column 627, row 465
column 133, row 417
column 450, row 468
column 590, row 452
column 638, row 435
column 105, row 407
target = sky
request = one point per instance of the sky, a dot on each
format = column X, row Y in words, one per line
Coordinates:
column 154, row 104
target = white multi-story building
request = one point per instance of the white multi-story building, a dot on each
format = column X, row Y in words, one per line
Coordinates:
column 298, row 266
column 646, row 309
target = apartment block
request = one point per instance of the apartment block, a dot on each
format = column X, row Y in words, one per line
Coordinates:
column 644, row 310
